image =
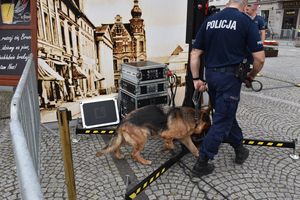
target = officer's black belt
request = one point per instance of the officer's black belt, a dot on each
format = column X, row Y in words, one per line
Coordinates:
column 223, row 69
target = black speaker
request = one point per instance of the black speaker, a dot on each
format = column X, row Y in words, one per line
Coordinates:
column 99, row 112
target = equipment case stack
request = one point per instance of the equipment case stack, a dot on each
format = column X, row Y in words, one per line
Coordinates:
column 142, row 83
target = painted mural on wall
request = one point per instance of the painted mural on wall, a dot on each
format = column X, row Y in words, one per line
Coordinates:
column 82, row 44
column 15, row 44
column 15, row 12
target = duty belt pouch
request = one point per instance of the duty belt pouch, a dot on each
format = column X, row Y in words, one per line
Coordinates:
column 241, row 71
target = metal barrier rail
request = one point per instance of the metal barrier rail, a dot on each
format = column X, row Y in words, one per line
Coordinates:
column 25, row 133
column 281, row 34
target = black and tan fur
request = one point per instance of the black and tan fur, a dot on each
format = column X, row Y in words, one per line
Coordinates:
column 172, row 123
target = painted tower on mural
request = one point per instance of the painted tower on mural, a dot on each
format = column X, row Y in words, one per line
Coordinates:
column 129, row 40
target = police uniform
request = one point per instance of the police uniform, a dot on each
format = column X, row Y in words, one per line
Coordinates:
column 260, row 22
column 261, row 25
column 225, row 39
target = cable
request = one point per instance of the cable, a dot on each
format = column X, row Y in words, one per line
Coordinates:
column 184, row 168
column 276, row 79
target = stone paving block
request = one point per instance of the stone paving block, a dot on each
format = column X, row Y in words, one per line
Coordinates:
column 268, row 173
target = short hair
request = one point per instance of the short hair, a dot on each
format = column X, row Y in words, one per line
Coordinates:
column 241, row 2
column 254, row 6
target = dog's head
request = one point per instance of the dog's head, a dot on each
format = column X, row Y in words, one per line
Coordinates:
column 204, row 121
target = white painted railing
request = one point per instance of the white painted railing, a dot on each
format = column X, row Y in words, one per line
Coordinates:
column 25, row 133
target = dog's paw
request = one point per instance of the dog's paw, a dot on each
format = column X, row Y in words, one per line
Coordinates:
column 169, row 146
column 119, row 156
column 147, row 162
column 98, row 154
column 196, row 153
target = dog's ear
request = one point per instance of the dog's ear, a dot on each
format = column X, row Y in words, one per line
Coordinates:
column 206, row 109
column 205, row 114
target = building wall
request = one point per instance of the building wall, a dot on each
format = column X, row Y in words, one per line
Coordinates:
column 106, row 65
column 275, row 16
column 66, row 42
column 178, row 63
column 87, row 54
column 50, row 48
column 218, row 3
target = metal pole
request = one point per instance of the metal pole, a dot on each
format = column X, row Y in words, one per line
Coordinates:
column 63, row 122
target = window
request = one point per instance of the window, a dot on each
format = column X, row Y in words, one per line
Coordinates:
column 40, row 27
column 63, row 36
column 77, row 43
column 71, row 39
column 265, row 15
column 118, row 29
column 55, row 34
column 141, row 46
column 47, row 27
column 116, row 83
column 115, row 65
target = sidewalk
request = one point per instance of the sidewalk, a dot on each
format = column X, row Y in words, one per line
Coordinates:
column 8, row 183
column 286, row 42
column 269, row 173
column 5, row 99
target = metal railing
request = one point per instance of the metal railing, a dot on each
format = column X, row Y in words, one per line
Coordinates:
column 281, row 34
column 25, row 133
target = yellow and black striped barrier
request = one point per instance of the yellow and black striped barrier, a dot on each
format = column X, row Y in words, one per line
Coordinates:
column 101, row 131
column 107, row 130
column 95, row 131
column 136, row 190
column 281, row 144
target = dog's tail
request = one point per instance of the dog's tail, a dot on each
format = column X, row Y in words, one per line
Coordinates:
column 113, row 145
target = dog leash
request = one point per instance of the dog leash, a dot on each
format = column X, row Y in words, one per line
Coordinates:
column 196, row 100
column 256, row 87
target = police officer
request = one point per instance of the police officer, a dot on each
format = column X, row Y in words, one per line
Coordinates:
column 224, row 40
column 251, row 10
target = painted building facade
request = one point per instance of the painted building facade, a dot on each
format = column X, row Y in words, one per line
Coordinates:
column 67, row 58
column 129, row 40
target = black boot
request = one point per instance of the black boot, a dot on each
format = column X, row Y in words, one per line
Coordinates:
column 202, row 167
column 241, row 154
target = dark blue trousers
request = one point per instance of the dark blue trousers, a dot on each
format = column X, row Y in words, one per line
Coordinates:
column 224, row 91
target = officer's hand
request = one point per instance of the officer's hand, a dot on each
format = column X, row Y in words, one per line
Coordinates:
column 200, row 85
column 249, row 80
column 251, row 76
column 248, row 83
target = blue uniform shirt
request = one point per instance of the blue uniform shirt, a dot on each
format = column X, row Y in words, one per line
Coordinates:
column 260, row 22
column 261, row 25
column 226, row 37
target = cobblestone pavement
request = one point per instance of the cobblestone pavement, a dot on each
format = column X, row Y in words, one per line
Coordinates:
column 269, row 172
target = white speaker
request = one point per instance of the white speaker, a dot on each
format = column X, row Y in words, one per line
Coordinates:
column 99, row 112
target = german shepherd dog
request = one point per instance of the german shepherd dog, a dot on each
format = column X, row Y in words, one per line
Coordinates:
column 170, row 123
